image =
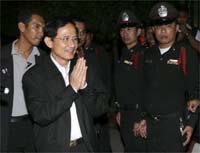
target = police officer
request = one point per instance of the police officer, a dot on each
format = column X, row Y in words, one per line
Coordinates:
column 188, row 33
column 170, row 70
column 128, row 82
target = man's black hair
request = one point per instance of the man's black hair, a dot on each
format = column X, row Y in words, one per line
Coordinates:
column 52, row 27
column 78, row 19
column 25, row 15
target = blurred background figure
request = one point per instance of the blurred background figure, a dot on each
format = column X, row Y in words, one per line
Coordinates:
column 187, row 32
column 150, row 38
column 193, row 107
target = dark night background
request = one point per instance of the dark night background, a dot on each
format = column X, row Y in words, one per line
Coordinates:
column 101, row 14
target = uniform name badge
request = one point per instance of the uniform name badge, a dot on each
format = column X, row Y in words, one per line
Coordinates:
column 128, row 62
column 172, row 61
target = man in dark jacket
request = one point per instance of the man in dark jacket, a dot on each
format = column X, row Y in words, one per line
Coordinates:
column 64, row 97
column 16, row 59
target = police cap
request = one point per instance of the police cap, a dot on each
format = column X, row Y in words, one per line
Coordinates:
column 128, row 19
column 163, row 13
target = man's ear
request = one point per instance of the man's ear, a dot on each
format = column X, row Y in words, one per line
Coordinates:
column 21, row 26
column 48, row 42
column 138, row 31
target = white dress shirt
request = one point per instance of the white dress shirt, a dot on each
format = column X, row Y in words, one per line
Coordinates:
column 75, row 127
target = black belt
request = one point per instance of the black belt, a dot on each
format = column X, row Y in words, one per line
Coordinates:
column 74, row 143
column 19, row 118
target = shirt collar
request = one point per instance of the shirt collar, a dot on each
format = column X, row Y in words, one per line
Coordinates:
column 34, row 52
column 62, row 69
column 164, row 50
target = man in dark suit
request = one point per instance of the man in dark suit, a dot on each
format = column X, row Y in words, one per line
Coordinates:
column 16, row 59
column 63, row 94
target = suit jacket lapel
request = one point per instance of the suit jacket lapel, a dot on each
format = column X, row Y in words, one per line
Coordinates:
column 80, row 114
column 55, row 79
column 57, row 84
column 38, row 59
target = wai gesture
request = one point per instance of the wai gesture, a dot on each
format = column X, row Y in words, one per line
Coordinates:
column 78, row 75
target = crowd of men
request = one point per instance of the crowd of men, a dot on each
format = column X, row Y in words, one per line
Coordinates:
column 59, row 100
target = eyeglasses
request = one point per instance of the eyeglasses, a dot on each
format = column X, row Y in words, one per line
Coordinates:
column 66, row 39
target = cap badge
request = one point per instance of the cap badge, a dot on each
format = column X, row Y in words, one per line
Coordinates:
column 162, row 11
column 125, row 17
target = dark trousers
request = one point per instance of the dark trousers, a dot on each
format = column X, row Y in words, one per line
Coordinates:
column 102, row 133
column 131, row 142
column 21, row 138
column 164, row 135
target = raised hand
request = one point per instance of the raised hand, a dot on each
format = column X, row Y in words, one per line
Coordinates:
column 143, row 129
column 140, row 129
column 136, row 128
column 188, row 130
column 78, row 75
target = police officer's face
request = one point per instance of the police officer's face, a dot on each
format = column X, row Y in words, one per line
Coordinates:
column 129, row 36
column 166, row 34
